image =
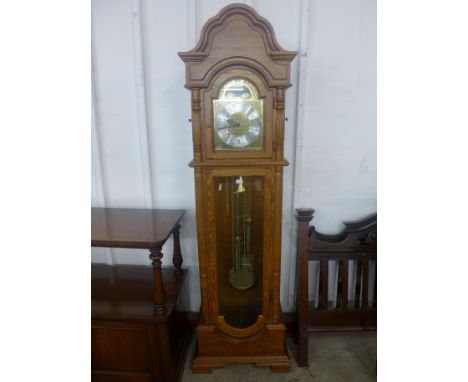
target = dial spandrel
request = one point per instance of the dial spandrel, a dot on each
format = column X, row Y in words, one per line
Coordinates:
column 238, row 114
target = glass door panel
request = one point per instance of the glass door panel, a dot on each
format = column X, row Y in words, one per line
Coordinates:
column 239, row 203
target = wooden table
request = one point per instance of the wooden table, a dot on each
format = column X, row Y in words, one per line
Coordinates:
column 144, row 229
column 136, row 333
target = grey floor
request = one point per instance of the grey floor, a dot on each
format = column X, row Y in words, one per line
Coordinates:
column 332, row 359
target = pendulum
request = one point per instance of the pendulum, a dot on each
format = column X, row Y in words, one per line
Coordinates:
column 241, row 275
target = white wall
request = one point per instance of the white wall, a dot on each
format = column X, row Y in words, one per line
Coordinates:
column 141, row 138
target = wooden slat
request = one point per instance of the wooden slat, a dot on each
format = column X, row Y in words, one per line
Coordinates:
column 344, row 282
column 339, row 286
column 365, row 294
column 357, row 290
column 365, row 284
column 324, row 283
column 374, row 302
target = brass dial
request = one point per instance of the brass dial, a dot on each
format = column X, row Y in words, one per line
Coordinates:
column 238, row 116
column 238, row 124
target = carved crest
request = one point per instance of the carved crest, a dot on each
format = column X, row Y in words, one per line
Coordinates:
column 237, row 36
column 357, row 233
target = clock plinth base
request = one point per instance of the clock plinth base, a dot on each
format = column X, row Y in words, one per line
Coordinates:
column 215, row 349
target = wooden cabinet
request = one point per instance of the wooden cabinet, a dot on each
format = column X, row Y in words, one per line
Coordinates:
column 136, row 332
column 237, row 75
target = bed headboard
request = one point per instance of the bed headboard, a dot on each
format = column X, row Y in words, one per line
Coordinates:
column 359, row 234
column 352, row 252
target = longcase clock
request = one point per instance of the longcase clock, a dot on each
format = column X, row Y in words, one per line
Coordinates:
column 237, row 75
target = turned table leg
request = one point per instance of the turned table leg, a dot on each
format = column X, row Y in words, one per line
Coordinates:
column 177, row 255
column 159, row 296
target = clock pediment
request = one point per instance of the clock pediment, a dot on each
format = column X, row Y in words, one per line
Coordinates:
column 237, row 36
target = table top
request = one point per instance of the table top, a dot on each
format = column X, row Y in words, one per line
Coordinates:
column 132, row 228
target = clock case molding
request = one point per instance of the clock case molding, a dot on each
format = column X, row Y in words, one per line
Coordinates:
column 238, row 43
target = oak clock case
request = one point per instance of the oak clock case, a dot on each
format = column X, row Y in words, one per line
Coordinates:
column 237, row 75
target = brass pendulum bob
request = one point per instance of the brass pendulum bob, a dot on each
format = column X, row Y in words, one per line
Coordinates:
column 241, row 275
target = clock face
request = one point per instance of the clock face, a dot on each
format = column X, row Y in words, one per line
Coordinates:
column 238, row 116
column 238, row 124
